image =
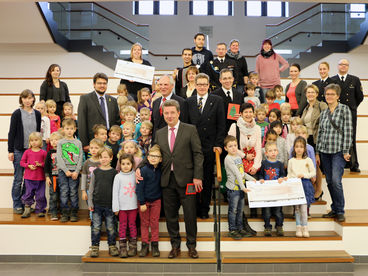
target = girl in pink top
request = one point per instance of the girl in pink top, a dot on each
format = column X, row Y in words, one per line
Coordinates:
column 33, row 160
column 268, row 66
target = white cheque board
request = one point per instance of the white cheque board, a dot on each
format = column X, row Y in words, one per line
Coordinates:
column 134, row 72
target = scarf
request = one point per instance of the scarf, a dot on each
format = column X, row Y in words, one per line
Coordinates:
column 232, row 55
column 246, row 128
column 267, row 54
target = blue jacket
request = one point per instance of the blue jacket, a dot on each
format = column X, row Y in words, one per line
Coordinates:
column 149, row 189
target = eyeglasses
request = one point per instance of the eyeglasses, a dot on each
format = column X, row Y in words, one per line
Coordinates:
column 343, row 64
column 101, row 83
column 154, row 156
column 202, row 84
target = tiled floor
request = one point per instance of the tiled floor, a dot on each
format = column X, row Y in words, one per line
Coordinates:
column 39, row 269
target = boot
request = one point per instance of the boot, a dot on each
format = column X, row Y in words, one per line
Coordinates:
column 132, row 247
column 305, row 231
column 94, row 251
column 299, row 232
column 65, row 215
column 154, row 249
column 113, row 251
column 247, row 227
column 74, row 215
column 144, row 250
column 27, row 212
column 123, row 248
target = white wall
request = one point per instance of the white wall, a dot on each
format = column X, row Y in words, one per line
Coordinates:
column 22, row 23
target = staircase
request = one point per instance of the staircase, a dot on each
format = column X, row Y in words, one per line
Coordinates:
column 89, row 28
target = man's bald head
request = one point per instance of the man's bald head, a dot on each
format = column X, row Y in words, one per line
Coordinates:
column 343, row 66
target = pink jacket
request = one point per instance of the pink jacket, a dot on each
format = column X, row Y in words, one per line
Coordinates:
column 269, row 70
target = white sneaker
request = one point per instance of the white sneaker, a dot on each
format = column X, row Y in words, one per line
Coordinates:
column 305, row 232
column 299, row 233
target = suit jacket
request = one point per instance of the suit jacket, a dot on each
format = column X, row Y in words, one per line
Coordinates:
column 210, row 123
column 321, row 87
column 237, row 99
column 90, row 113
column 187, row 157
column 351, row 91
column 158, row 120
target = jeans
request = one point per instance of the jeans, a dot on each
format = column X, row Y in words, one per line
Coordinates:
column 235, row 212
column 18, row 189
column 277, row 211
column 97, row 216
column 333, row 167
column 301, row 215
column 54, row 195
column 68, row 190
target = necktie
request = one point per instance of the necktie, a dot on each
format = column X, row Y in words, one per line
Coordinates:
column 102, row 103
column 200, row 104
column 172, row 138
column 342, row 78
column 228, row 96
column 163, row 100
column 221, row 60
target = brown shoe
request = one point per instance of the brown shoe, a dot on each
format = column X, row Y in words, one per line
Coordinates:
column 193, row 253
column 174, row 253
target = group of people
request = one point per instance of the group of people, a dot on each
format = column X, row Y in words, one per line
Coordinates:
column 152, row 148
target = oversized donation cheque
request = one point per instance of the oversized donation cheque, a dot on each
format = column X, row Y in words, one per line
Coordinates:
column 272, row 193
column 134, row 72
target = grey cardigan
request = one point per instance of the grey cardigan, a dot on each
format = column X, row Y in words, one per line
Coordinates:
column 300, row 96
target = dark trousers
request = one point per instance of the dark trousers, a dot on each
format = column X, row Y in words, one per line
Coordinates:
column 68, row 191
column 279, row 216
column 354, row 156
column 35, row 191
column 174, row 196
column 98, row 214
column 54, row 195
column 18, row 189
column 204, row 197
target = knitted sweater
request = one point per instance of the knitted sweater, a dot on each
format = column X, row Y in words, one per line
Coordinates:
column 269, row 70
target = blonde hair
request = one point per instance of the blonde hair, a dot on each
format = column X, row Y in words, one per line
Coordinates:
column 122, row 89
column 41, row 103
column 129, row 124
column 140, row 92
column 145, row 109
column 138, row 152
column 67, row 104
column 134, row 45
column 50, row 103
column 253, row 74
column 324, row 63
column 122, row 100
column 37, row 136
column 285, row 106
column 115, row 128
column 68, row 122
column 105, row 149
column 129, row 109
column 154, row 148
column 148, row 124
column 97, row 142
column 270, row 144
column 56, row 135
column 97, row 127
column 261, row 109
column 302, row 129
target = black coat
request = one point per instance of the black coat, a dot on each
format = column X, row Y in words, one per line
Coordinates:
column 351, row 91
column 213, row 68
column 321, row 87
column 49, row 93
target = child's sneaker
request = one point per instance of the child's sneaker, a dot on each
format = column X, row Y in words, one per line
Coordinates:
column 279, row 231
column 94, row 251
column 299, row 232
column 74, row 215
column 65, row 216
column 235, row 235
column 245, row 234
column 305, row 232
column 268, row 232
column 54, row 216
column 113, row 251
column 41, row 215
column 27, row 212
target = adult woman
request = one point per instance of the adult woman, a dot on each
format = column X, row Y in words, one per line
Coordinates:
column 241, row 64
column 268, row 66
column 23, row 122
column 55, row 89
column 323, row 69
column 334, row 139
column 189, row 89
column 295, row 94
column 310, row 118
column 136, row 57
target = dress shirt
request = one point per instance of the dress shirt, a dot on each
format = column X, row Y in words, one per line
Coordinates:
column 231, row 92
column 169, row 136
column 342, row 76
column 106, row 110
column 204, row 99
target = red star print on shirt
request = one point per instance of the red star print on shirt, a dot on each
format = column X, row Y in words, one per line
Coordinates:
column 129, row 190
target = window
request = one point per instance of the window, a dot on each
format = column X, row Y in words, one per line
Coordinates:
column 274, row 9
column 145, row 7
column 164, row 7
column 253, row 8
column 167, row 7
column 222, row 8
column 200, row 7
column 357, row 10
column 216, row 7
column 270, row 8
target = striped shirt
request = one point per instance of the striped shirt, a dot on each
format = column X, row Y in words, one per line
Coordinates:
column 330, row 140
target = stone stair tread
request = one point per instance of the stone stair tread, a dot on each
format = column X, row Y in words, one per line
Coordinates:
column 104, row 257
column 164, row 236
column 328, row 256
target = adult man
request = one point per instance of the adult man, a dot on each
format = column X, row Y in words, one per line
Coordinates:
column 352, row 96
column 181, row 178
column 96, row 108
column 166, row 84
column 206, row 112
column 200, row 53
column 241, row 65
column 213, row 68
column 228, row 94
column 179, row 73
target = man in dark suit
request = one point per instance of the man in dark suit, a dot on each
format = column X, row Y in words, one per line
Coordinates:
column 228, row 94
column 352, row 96
column 181, row 176
column 166, row 84
column 206, row 112
column 96, row 108
column 325, row 80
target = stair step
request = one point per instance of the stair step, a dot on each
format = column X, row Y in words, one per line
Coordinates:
column 338, row 256
column 164, row 236
column 289, row 236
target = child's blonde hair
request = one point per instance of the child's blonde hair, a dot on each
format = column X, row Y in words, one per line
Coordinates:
column 270, row 144
column 115, row 128
column 68, row 122
column 261, row 109
column 122, row 100
column 145, row 109
column 129, row 109
column 154, row 148
column 301, row 129
column 50, row 103
column 297, row 121
column 122, row 89
column 67, row 104
column 253, row 75
column 97, row 127
column 105, row 149
column 140, row 92
column 96, row 142
column 41, row 103
column 138, row 152
column 35, row 136
column 129, row 124
column 285, row 106
column 285, row 111
column 56, row 135
column 147, row 124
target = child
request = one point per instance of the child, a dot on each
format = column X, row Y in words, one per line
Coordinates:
column 113, row 143
column 251, row 98
column 270, row 137
column 54, row 119
column 295, row 122
column 134, row 104
column 303, row 132
column 33, row 160
column 130, row 147
column 144, row 98
column 258, row 92
column 69, row 163
column 123, row 91
column 129, row 114
column 149, row 201
column 279, row 91
column 68, row 111
column 285, row 119
column 124, row 204
column 235, row 188
column 145, row 114
column 270, row 99
column 100, row 132
column 146, row 136
column 51, row 174
column 100, row 203
column 92, row 163
column 273, row 115
column 122, row 100
column 45, row 124
column 280, row 142
column 272, row 169
column 301, row 166
column 261, row 122
column 128, row 129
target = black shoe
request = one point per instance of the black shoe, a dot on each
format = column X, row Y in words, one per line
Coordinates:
column 355, row 169
column 340, row 217
column 319, row 198
column 204, row 216
column 331, row 214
